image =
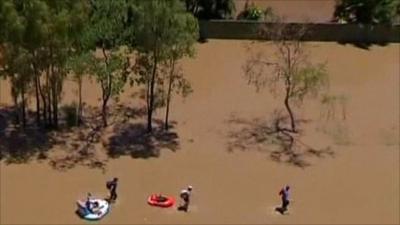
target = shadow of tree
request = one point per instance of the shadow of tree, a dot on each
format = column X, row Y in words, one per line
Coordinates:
column 80, row 142
column 18, row 145
column 82, row 158
column 267, row 136
column 80, row 147
column 364, row 45
column 133, row 139
column 74, row 145
column 123, row 113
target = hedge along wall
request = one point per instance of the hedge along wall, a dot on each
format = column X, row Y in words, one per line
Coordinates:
column 234, row 29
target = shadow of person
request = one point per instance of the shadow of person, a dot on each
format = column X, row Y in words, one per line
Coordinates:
column 182, row 208
column 78, row 213
column 280, row 210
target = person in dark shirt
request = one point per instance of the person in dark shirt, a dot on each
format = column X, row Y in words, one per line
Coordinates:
column 88, row 202
column 284, row 193
column 112, row 187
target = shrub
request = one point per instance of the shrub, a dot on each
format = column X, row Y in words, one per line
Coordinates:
column 368, row 11
column 253, row 12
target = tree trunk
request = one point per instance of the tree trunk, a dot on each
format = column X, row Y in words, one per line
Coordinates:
column 49, row 112
column 290, row 112
column 37, row 97
column 150, row 108
column 79, row 113
column 55, row 105
column 54, row 90
column 23, row 106
column 106, row 90
column 104, row 111
column 171, row 80
column 41, row 92
column 17, row 108
column 36, row 77
column 288, row 85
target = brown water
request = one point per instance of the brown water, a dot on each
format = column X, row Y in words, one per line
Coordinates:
column 315, row 11
column 360, row 184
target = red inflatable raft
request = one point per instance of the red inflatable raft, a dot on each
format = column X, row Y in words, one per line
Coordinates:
column 160, row 201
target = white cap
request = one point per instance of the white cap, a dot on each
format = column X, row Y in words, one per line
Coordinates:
column 189, row 187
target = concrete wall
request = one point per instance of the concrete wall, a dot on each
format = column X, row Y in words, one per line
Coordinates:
column 233, row 29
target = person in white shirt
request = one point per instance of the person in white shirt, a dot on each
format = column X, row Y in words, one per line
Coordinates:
column 185, row 196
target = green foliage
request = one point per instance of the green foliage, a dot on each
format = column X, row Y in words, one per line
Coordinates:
column 110, row 72
column 10, row 22
column 211, row 9
column 17, row 69
column 288, row 70
column 107, row 29
column 44, row 40
column 308, row 80
column 38, row 38
column 108, row 22
column 368, row 11
column 142, row 69
column 79, row 64
column 181, row 44
column 253, row 12
column 164, row 32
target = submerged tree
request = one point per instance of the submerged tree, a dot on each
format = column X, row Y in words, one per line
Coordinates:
column 164, row 32
column 41, row 33
column 110, row 72
column 107, row 27
column 290, row 67
column 183, row 35
column 19, row 72
column 82, row 44
column 79, row 66
column 177, row 83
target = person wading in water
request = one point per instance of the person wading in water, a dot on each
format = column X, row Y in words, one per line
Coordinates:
column 112, row 187
column 284, row 193
column 185, row 196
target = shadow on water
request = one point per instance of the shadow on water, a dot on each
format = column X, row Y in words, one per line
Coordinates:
column 269, row 137
column 82, row 142
column 134, row 140
column 364, row 45
column 78, row 146
column 18, row 145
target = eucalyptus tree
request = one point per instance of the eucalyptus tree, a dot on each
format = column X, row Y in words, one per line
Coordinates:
column 291, row 70
column 107, row 23
column 183, row 36
column 164, row 33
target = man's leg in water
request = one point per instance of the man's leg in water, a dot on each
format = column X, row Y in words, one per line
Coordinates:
column 113, row 195
column 285, row 205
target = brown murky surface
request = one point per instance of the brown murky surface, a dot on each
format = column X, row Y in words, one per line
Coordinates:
column 359, row 184
column 316, row 11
